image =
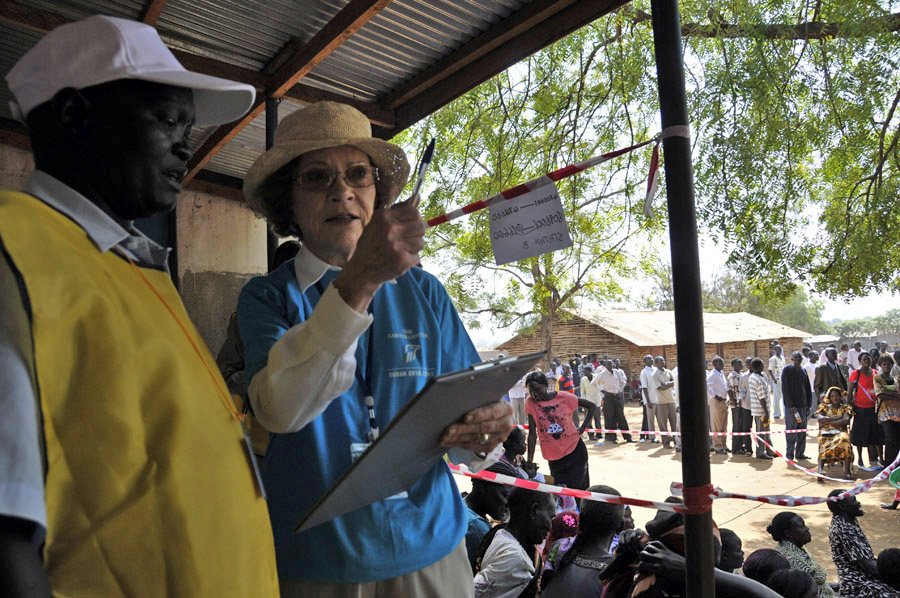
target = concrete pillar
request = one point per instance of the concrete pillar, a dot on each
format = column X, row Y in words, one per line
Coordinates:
column 221, row 244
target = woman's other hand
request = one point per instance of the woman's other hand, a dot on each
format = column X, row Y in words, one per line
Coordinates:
column 480, row 430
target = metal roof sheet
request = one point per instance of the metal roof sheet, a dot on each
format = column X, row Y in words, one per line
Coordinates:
column 401, row 41
column 656, row 328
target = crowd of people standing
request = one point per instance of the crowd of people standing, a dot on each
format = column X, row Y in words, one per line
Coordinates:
column 851, row 393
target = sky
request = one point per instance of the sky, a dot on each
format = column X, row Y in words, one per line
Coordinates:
column 712, row 259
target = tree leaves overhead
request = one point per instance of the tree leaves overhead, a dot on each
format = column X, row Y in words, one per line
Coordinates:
column 795, row 123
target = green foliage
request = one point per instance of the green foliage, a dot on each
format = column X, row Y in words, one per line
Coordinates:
column 728, row 292
column 887, row 323
column 796, row 157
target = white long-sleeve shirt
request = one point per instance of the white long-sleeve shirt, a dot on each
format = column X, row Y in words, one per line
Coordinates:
column 314, row 362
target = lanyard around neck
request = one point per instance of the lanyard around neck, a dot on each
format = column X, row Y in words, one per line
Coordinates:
column 363, row 377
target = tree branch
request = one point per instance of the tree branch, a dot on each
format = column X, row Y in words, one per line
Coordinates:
column 809, row 30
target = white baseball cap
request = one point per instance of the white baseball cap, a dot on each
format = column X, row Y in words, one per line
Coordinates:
column 101, row 49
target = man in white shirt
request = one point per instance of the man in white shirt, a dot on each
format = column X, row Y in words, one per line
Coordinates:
column 613, row 407
column 648, row 393
column 506, row 568
column 776, row 364
column 717, row 388
column 517, row 400
column 853, row 356
column 812, row 362
column 665, row 400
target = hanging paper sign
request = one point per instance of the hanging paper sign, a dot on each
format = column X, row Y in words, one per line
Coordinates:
column 531, row 224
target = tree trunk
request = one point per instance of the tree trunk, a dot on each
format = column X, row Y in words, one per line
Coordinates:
column 547, row 333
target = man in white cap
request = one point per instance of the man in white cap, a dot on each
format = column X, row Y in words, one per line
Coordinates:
column 124, row 463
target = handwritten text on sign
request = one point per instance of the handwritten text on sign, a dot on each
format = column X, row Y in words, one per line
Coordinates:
column 528, row 225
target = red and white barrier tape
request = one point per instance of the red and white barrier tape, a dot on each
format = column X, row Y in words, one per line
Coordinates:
column 787, row 500
column 811, row 472
column 664, row 433
column 500, row 478
column 567, row 171
column 697, row 500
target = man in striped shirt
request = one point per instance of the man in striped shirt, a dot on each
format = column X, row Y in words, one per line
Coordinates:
column 760, row 408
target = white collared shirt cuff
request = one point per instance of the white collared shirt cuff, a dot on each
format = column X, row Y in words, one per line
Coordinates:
column 459, row 456
column 333, row 323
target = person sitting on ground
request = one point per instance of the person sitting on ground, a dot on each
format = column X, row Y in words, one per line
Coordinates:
column 509, row 563
column 834, row 416
column 732, row 557
column 514, row 453
column 563, row 527
column 888, row 565
column 791, row 533
column 852, row 553
column 792, row 583
column 760, row 564
column 550, row 419
column 576, row 564
column 627, row 524
column 662, row 564
column 618, row 577
column 486, row 499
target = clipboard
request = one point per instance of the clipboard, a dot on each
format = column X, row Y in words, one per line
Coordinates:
column 408, row 447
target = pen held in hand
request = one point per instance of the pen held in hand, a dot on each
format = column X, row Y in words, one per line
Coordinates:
column 424, row 163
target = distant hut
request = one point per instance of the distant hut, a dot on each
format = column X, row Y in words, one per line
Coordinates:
column 629, row 335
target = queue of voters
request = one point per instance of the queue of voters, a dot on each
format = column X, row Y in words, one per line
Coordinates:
column 137, row 464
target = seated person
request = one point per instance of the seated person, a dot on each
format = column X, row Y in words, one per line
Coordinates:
column 834, row 415
column 487, row 499
column 791, row 533
column 575, row 564
column 508, row 565
column 627, row 523
column 732, row 551
column 888, row 565
column 760, row 564
column 793, row 583
column 852, row 553
column 563, row 527
column 661, row 571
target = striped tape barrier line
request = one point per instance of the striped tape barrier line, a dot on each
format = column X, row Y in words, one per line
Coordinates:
column 500, row 478
column 811, row 472
column 565, row 172
column 665, row 433
column 787, row 500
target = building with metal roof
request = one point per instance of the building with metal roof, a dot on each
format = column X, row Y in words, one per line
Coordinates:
column 630, row 335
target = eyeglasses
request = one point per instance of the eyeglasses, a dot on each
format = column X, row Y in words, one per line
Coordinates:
column 321, row 179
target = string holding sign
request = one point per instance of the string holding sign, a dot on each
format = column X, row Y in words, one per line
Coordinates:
column 567, row 171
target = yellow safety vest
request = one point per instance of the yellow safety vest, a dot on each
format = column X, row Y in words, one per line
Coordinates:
column 148, row 487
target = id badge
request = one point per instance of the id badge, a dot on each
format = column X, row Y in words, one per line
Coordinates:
column 356, row 451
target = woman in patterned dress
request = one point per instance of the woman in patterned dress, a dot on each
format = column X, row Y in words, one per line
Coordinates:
column 834, row 416
column 791, row 533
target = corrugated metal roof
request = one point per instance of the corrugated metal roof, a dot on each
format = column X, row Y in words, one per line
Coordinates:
column 402, row 40
column 655, row 328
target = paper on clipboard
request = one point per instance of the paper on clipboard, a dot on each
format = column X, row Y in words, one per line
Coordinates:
column 408, row 447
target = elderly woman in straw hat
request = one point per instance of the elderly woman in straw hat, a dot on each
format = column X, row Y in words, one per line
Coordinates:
column 336, row 341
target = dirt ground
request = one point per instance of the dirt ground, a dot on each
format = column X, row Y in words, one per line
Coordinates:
column 646, row 471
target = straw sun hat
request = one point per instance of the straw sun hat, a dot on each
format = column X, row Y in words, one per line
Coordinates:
column 319, row 126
